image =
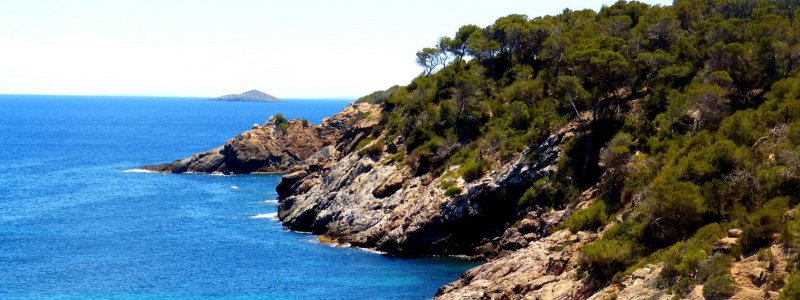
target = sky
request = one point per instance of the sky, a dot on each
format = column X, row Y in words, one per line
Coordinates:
column 205, row 48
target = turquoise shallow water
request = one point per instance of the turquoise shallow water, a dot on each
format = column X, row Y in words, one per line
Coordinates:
column 74, row 225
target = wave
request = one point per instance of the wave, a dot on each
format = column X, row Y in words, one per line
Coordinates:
column 373, row 251
column 273, row 216
column 336, row 244
column 270, row 201
column 234, row 187
column 138, row 171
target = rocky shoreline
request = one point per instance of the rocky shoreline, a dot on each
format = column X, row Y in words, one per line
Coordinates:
column 359, row 199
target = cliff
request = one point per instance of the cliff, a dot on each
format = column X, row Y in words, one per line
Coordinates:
column 366, row 200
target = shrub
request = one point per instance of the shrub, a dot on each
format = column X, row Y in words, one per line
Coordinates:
column 616, row 152
column 305, row 122
column 717, row 265
column 280, row 119
column 420, row 160
column 281, row 123
column 592, row 217
column 684, row 258
column 762, row 224
column 719, row 287
column 446, row 184
column 473, row 169
column 452, row 191
column 373, row 149
column 606, row 257
column 791, row 290
column 765, row 255
column 527, row 198
column 672, row 210
column 363, row 143
column 283, row 126
column 520, row 117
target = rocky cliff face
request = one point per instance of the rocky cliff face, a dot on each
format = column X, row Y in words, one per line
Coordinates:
column 368, row 201
column 275, row 146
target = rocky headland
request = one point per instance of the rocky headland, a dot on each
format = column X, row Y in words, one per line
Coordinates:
column 277, row 145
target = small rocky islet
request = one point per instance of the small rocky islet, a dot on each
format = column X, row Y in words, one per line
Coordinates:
column 248, row 96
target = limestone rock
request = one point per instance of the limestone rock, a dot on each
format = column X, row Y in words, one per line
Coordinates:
column 414, row 216
column 545, row 269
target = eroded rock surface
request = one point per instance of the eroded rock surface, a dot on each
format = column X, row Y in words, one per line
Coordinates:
column 367, row 201
column 545, row 269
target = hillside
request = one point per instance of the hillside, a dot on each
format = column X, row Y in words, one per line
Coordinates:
column 249, row 96
column 635, row 152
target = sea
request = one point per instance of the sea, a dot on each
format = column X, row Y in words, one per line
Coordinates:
column 79, row 221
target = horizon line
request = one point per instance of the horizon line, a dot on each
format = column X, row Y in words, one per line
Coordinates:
column 170, row 96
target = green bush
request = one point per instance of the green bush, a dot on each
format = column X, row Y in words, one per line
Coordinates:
column 446, row 184
column 373, row 149
column 765, row 255
column 280, row 122
column 719, row 287
column 452, row 191
column 685, row 258
column 283, row 126
column 761, row 224
column 591, row 217
column 606, row 257
column 305, row 122
column 617, row 151
column 473, row 169
column 527, row 198
column 717, row 265
column 280, row 119
column 791, row 291
column 672, row 210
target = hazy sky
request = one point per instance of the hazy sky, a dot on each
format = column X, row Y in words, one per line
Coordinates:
column 291, row 49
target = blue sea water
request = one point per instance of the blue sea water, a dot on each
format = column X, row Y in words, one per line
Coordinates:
column 74, row 225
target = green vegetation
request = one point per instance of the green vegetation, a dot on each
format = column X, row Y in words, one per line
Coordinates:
column 453, row 190
column 719, row 287
column 590, row 218
column 280, row 119
column 281, row 122
column 369, row 147
column 792, row 288
column 688, row 121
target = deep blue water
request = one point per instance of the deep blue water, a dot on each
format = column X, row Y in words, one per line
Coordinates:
column 74, row 225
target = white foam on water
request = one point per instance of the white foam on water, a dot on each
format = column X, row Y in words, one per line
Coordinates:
column 273, row 216
column 234, row 187
column 138, row 171
column 270, row 201
column 373, row 251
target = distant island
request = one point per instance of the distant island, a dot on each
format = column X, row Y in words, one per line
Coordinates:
column 249, row 96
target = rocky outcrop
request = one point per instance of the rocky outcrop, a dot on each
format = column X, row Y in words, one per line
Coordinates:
column 278, row 144
column 545, row 269
column 368, row 201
